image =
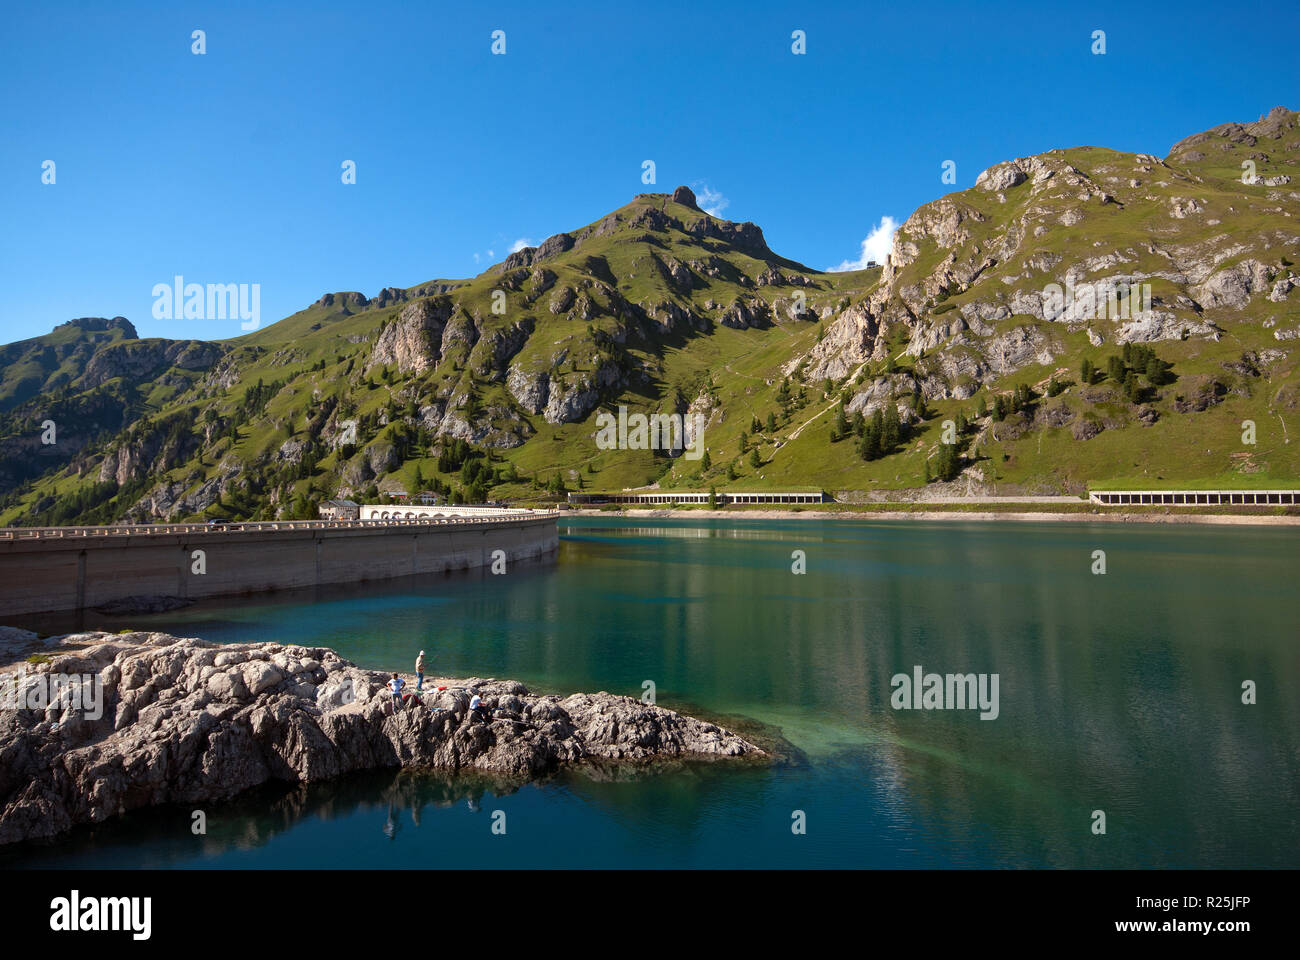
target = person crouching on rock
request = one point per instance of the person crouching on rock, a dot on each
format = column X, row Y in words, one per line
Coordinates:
column 419, row 673
column 396, row 685
column 477, row 710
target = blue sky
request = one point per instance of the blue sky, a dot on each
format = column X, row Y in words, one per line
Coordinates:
column 225, row 167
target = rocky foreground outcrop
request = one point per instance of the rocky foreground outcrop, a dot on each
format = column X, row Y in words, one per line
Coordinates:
column 184, row 721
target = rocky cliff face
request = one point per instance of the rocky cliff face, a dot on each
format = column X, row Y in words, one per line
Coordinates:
column 413, row 342
column 976, row 281
column 144, row 359
column 185, row 721
column 350, row 301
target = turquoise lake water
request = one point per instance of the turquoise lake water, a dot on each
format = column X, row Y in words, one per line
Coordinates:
column 1120, row 693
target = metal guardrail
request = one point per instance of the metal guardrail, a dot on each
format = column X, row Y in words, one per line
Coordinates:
column 12, row 534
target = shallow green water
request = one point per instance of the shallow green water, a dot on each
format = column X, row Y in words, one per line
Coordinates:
column 1119, row 693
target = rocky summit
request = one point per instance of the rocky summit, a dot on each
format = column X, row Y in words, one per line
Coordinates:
column 111, row 723
column 1078, row 316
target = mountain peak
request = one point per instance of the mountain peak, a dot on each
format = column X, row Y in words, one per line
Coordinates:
column 1277, row 124
column 103, row 324
column 649, row 213
column 686, row 197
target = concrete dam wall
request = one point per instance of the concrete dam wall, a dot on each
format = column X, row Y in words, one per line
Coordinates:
column 73, row 568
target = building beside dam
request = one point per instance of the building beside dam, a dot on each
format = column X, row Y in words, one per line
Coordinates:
column 50, row 569
column 339, row 510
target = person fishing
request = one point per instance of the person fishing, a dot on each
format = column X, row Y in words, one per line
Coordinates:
column 478, row 709
column 419, row 673
column 396, row 685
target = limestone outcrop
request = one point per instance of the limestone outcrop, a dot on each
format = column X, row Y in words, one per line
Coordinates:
column 140, row 359
column 106, row 723
column 978, row 285
column 413, row 342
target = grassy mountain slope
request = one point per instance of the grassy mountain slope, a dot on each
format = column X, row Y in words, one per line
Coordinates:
column 964, row 308
column 46, row 363
column 489, row 386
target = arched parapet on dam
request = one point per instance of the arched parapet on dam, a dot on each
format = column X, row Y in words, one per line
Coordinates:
column 48, row 569
column 1194, row 498
column 402, row 511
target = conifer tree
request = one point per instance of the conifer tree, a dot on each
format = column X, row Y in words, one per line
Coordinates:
column 1132, row 391
column 947, row 463
column 892, row 429
column 870, row 448
column 841, row 427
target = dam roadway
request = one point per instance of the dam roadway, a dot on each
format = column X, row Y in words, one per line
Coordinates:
column 50, row 569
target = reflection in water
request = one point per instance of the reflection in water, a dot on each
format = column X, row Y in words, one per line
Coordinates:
column 1119, row 692
column 397, row 805
column 681, row 530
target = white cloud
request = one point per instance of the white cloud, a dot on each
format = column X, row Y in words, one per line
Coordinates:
column 490, row 255
column 711, row 201
column 875, row 247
